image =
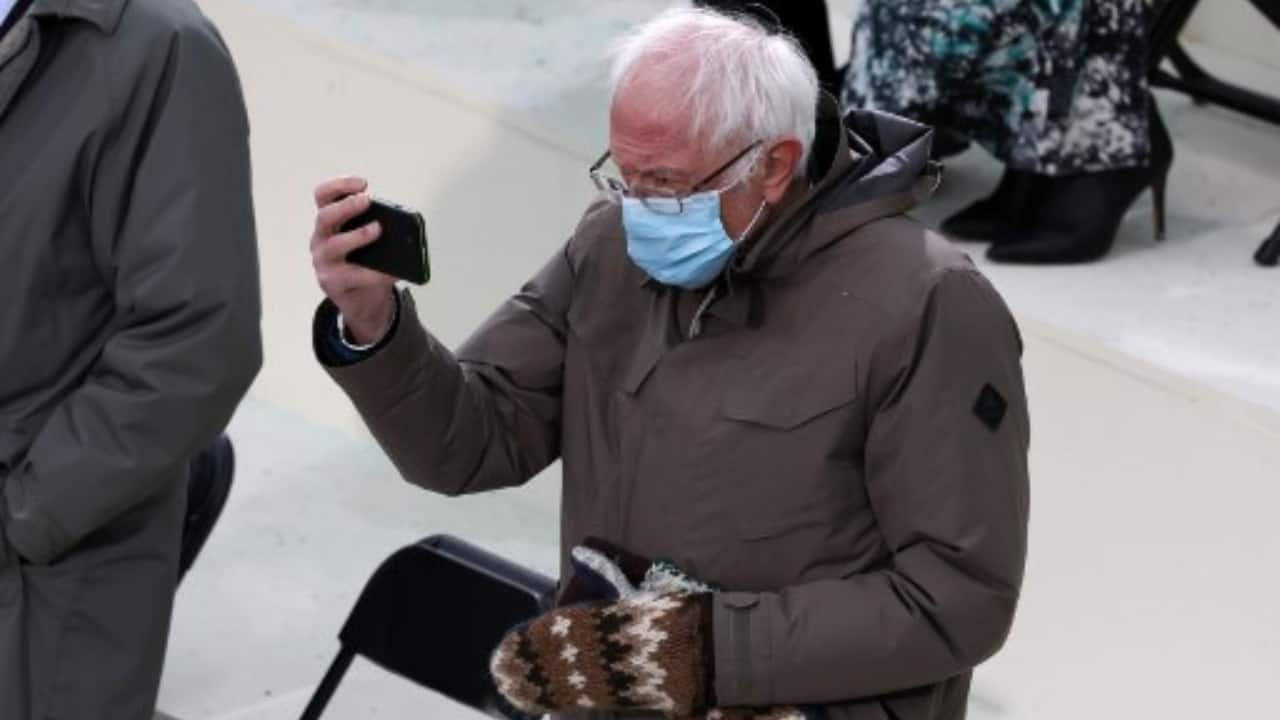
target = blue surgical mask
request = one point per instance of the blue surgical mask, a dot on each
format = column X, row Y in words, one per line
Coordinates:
column 681, row 243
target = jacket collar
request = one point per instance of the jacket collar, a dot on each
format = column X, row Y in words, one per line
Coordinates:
column 21, row 46
column 102, row 14
column 863, row 166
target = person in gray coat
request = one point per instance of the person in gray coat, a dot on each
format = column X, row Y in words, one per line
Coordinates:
column 129, row 332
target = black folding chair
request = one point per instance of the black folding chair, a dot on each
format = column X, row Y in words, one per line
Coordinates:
column 1171, row 17
column 433, row 613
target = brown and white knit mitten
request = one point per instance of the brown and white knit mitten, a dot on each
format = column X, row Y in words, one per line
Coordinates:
column 645, row 652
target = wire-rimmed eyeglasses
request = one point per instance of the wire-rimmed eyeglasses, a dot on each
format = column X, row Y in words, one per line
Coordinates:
column 666, row 203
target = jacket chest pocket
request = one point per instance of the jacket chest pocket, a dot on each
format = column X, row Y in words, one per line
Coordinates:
column 789, row 400
column 797, row 440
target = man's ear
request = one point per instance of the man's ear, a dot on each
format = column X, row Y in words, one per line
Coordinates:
column 780, row 167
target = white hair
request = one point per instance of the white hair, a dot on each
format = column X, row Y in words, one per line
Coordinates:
column 735, row 81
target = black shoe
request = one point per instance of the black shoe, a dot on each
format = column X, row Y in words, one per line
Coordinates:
column 1078, row 216
column 1005, row 211
column 208, row 485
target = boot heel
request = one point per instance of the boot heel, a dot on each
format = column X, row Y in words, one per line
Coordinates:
column 1158, row 186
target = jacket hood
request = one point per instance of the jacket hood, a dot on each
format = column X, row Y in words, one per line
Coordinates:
column 863, row 166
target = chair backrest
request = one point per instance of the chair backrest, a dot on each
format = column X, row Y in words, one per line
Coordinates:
column 434, row 611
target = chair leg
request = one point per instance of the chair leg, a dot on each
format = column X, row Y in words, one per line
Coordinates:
column 1269, row 254
column 1170, row 17
column 324, row 692
column 1190, row 73
column 1188, row 69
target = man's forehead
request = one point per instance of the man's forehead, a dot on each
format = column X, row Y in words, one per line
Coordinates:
column 647, row 112
column 640, row 125
column 649, row 141
column 655, row 158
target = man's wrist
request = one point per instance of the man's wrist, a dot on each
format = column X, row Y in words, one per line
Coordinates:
column 351, row 342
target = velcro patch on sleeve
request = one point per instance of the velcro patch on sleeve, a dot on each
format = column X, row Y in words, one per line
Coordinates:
column 990, row 407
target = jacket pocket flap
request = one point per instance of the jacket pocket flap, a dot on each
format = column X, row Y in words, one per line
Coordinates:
column 785, row 520
column 786, row 401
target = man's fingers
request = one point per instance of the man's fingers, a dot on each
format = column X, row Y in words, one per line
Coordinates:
column 330, row 190
column 332, row 216
column 335, row 249
column 363, row 277
column 340, row 280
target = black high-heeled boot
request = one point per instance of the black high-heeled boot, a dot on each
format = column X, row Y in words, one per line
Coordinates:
column 1006, row 210
column 1077, row 217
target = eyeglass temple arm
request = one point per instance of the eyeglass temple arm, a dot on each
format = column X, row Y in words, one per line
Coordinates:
column 727, row 165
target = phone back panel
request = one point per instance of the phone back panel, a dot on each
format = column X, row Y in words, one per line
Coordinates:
column 401, row 250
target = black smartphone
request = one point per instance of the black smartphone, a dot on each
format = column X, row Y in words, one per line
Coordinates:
column 401, row 250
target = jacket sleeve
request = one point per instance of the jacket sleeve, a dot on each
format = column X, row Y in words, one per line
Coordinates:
column 946, row 468
column 180, row 259
column 487, row 417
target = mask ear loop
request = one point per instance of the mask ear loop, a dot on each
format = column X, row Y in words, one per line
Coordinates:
column 936, row 169
column 933, row 171
column 755, row 163
column 752, row 225
column 695, row 325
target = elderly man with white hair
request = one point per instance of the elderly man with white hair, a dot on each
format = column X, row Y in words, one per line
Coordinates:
column 792, row 421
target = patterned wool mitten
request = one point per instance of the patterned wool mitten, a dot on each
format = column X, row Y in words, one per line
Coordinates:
column 603, row 571
column 664, row 577
column 645, row 652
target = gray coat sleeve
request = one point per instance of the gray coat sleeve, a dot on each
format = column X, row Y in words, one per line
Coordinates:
column 173, row 233
column 950, row 494
column 487, row 417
